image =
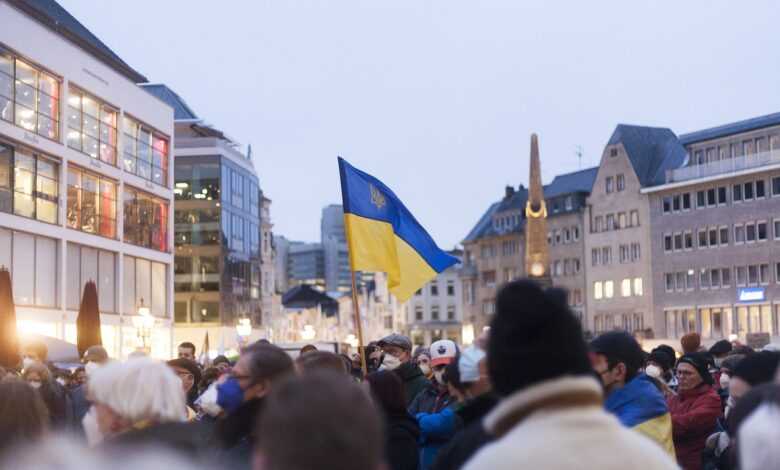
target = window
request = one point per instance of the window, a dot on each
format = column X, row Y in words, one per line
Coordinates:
column 736, row 192
column 450, row 288
column 776, row 186
column 668, row 246
column 748, row 191
column 704, row 278
column 32, row 261
column 678, row 241
column 686, row 201
column 750, row 232
column 577, row 265
column 739, row 234
column 676, row 203
column 577, row 297
column 635, row 218
column 598, row 292
column 777, row 273
column 638, row 288
column 702, row 238
column 679, row 281
column 599, row 223
column 557, row 271
column 35, row 183
column 621, row 182
column 688, row 240
column 760, row 189
column 724, row 235
column 91, row 203
column 777, row 229
column 763, row 273
column 435, row 312
column 621, row 220
column 762, row 232
column 488, row 278
column 434, row 289
column 690, row 281
column 713, row 237
column 566, row 236
column 418, row 312
column 608, row 289
column 752, row 274
column 566, row 267
column 701, row 199
column 711, row 197
column 722, row 195
column 488, row 307
column 669, row 278
column 29, row 97
column 725, row 277
column 595, row 254
column 450, row 312
column 625, row 288
column 142, row 280
column 575, row 233
column 568, row 203
column 623, row 253
column 237, row 183
column 667, row 204
column 145, row 152
column 610, row 222
column 91, row 126
column 89, row 264
column 635, row 252
column 613, row 152
column 715, row 278
column 609, row 182
column 741, row 275
column 606, row 255
column 145, row 220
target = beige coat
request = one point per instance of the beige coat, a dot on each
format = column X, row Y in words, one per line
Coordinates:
column 561, row 424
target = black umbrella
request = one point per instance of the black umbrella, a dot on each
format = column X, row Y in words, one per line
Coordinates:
column 88, row 321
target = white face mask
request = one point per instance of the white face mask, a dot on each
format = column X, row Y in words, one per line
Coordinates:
column 439, row 374
column 724, row 381
column 391, row 362
column 425, row 368
column 35, row 384
column 27, row 362
column 653, row 371
column 90, row 367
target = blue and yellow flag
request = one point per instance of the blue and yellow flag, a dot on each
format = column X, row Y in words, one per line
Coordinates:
column 384, row 236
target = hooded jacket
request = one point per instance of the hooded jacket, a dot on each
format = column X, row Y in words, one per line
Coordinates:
column 560, row 424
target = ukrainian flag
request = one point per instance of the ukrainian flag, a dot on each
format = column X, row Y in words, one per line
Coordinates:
column 384, row 236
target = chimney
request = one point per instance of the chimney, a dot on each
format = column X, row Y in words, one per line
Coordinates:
column 510, row 191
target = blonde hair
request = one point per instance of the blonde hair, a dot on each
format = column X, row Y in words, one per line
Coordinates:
column 139, row 389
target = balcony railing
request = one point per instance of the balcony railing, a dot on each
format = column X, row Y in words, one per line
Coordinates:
column 721, row 167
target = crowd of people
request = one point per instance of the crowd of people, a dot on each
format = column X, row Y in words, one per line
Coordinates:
column 530, row 392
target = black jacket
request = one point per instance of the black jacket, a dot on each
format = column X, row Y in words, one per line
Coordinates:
column 471, row 438
column 234, row 435
column 185, row 439
column 414, row 380
column 401, row 446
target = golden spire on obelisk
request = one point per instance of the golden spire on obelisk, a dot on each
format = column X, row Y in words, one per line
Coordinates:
column 537, row 251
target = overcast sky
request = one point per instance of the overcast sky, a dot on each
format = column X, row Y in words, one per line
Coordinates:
column 438, row 98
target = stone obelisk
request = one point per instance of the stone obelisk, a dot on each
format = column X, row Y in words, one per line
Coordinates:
column 537, row 251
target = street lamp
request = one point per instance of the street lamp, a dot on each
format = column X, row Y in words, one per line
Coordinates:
column 244, row 329
column 308, row 333
column 351, row 340
column 143, row 323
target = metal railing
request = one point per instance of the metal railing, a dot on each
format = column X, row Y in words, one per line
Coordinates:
column 720, row 167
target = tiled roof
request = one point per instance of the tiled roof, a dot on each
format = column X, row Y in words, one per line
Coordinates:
column 651, row 150
column 731, row 128
column 576, row 182
column 180, row 108
column 51, row 14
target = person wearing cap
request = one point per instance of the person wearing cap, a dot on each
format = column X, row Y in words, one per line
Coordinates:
column 432, row 405
column 397, row 356
column 632, row 396
column 695, row 410
column 551, row 413
column 476, row 401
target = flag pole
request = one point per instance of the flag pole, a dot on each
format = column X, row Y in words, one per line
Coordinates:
column 358, row 324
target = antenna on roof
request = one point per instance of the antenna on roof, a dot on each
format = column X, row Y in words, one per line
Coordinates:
column 249, row 152
column 578, row 151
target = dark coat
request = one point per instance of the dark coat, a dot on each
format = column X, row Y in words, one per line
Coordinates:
column 414, row 380
column 470, row 438
column 430, row 400
column 694, row 416
column 401, row 446
column 58, row 402
column 234, row 435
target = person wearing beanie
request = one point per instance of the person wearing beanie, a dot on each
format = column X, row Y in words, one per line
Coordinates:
column 695, row 410
column 632, row 396
column 476, row 393
column 539, row 366
column 755, row 369
column 691, row 343
column 436, row 427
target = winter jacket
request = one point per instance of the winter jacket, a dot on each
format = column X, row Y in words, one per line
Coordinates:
column 694, row 416
column 402, row 433
column 470, row 438
column 437, row 422
column 561, row 424
column 431, row 399
column 413, row 379
column 186, row 439
column 641, row 405
column 234, row 435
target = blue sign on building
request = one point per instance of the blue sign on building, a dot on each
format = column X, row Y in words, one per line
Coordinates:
column 751, row 294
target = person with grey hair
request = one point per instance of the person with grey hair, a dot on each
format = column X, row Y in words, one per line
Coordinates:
column 141, row 402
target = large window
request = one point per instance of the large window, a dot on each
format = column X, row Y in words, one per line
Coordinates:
column 146, row 220
column 29, row 97
column 145, row 284
column 91, row 203
column 35, row 183
column 145, row 152
column 196, row 181
column 91, row 126
column 32, row 261
column 90, row 264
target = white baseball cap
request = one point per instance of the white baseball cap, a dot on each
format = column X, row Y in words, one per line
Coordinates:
column 443, row 352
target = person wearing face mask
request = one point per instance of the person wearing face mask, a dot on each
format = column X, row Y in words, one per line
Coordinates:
column 659, row 367
column 469, row 377
column 422, row 357
column 435, row 429
column 38, row 377
column 397, row 356
column 631, row 395
column 241, row 396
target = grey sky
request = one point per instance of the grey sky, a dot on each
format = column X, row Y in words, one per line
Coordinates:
column 438, row 98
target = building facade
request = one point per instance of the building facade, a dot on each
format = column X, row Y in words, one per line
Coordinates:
column 716, row 233
column 436, row 311
column 334, row 244
column 85, row 182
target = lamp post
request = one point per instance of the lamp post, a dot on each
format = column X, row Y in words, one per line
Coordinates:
column 143, row 323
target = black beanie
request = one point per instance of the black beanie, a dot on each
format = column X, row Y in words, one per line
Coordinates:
column 662, row 358
column 668, row 350
column 622, row 347
column 699, row 362
column 533, row 337
column 757, row 368
column 721, row 347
